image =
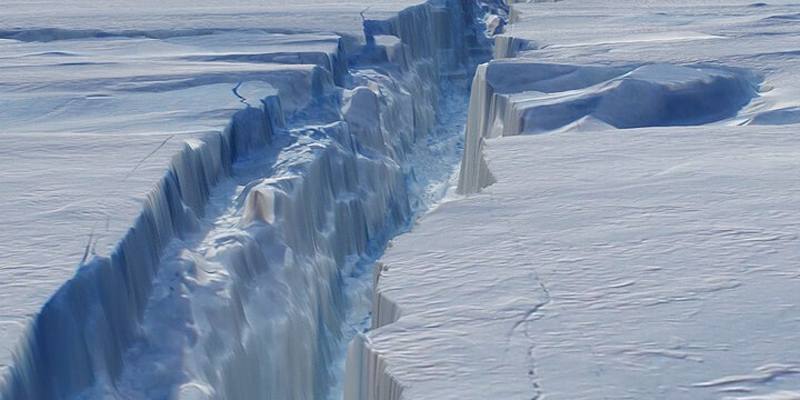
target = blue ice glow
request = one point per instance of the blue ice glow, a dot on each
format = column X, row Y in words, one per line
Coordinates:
column 238, row 277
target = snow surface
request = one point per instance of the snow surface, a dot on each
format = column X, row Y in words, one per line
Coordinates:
column 590, row 65
column 222, row 179
column 50, row 18
column 650, row 263
column 628, row 229
column 90, row 125
column 76, row 155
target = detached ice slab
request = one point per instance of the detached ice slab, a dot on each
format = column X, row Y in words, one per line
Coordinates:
column 642, row 264
column 89, row 127
column 526, row 97
column 759, row 37
column 629, row 64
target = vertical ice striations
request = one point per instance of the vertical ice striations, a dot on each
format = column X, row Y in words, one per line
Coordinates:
column 266, row 283
column 506, row 46
column 231, row 282
column 79, row 337
column 367, row 377
column 492, row 113
column 474, row 173
column 518, row 96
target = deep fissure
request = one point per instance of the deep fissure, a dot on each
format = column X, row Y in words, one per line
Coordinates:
column 249, row 268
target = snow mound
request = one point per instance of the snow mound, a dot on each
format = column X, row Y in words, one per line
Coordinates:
column 667, row 95
column 784, row 116
column 544, row 97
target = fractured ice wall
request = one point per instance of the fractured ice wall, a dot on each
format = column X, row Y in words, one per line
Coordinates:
column 513, row 97
column 81, row 333
column 247, row 303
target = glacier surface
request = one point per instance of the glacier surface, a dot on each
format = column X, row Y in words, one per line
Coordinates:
column 193, row 194
column 624, row 223
column 654, row 263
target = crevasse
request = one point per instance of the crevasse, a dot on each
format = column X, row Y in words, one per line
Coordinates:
column 231, row 282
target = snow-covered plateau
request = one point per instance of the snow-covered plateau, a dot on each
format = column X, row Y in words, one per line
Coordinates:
column 193, row 193
column 397, row 200
column 625, row 223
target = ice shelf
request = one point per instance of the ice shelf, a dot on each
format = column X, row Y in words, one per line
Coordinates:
column 565, row 67
column 219, row 187
column 625, row 227
column 646, row 263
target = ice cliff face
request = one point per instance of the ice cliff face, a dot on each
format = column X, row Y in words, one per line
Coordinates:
column 513, row 97
column 667, row 151
column 231, row 283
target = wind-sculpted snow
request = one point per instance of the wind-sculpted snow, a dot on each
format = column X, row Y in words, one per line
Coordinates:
column 57, row 20
column 233, row 279
column 651, row 95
